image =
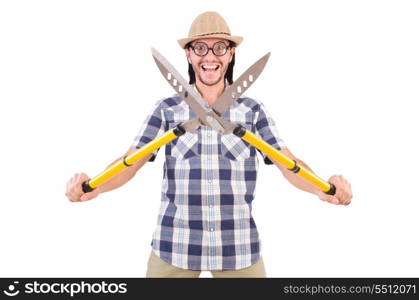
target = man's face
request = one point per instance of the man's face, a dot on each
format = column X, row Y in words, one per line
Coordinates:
column 210, row 69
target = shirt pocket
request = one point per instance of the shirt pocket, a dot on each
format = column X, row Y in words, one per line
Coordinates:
column 183, row 147
column 235, row 148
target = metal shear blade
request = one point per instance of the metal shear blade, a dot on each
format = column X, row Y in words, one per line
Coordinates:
column 209, row 116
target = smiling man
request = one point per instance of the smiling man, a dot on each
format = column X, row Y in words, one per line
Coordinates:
column 205, row 221
column 209, row 60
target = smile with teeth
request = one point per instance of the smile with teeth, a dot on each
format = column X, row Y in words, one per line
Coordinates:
column 210, row 67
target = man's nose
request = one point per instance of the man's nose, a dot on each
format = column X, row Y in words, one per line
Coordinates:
column 210, row 54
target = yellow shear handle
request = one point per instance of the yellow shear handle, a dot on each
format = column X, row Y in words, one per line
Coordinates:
column 290, row 164
column 131, row 159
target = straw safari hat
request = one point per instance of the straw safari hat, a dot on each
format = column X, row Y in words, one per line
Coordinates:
column 209, row 25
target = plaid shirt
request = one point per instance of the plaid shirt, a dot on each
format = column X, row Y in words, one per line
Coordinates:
column 205, row 220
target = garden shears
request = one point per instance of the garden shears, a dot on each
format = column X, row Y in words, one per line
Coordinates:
column 211, row 117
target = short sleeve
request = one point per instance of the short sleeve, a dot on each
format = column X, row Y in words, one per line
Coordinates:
column 151, row 128
column 267, row 131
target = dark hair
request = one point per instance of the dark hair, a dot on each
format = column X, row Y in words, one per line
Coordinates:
column 229, row 72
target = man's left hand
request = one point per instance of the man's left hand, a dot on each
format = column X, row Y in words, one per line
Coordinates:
column 343, row 193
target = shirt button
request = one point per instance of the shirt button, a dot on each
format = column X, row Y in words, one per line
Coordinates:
column 209, row 181
column 212, row 229
column 211, row 206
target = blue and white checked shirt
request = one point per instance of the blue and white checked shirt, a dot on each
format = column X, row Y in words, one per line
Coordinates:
column 205, row 220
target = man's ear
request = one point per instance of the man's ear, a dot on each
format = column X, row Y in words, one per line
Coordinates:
column 188, row 55
column 232, row 51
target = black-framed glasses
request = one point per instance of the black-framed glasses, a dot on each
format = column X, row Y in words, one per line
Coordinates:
column 201, row 49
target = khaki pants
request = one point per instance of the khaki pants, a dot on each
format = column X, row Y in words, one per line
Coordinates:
column 159, row 268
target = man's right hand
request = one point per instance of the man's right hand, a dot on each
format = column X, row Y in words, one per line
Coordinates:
column 74, row 191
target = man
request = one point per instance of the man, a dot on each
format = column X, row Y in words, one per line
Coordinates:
column 205, row 220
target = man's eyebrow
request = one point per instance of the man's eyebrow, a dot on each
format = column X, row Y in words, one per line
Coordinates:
column 196, row 42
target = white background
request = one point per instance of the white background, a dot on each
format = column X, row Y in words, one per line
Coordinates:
column 77, row 80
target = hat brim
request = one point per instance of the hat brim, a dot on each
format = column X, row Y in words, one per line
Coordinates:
column 236, row 39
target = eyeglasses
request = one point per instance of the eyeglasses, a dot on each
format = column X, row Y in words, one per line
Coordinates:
column 201, row 49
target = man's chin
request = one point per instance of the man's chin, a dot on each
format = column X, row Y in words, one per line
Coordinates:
column 210, row 82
